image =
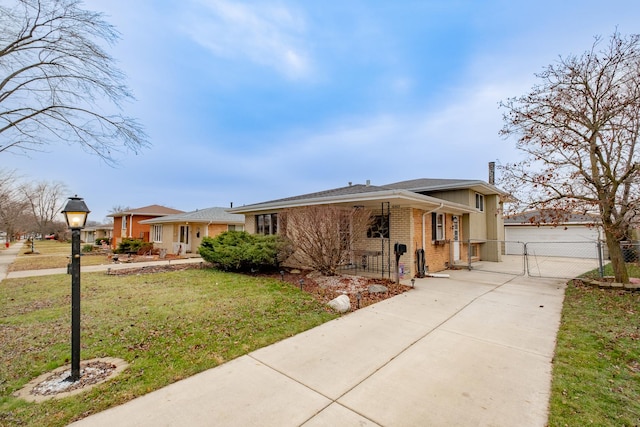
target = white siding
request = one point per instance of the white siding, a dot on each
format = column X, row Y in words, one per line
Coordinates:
column 575, row 241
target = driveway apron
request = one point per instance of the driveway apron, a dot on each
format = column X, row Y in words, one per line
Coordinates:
column 474, row 349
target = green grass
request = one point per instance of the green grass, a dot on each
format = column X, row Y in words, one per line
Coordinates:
column 51, row 254
column 596, row 371
column 167, row 326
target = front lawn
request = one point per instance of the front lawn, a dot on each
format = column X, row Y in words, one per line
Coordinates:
column 167, row 326
column 596, row 369
column 51, row 254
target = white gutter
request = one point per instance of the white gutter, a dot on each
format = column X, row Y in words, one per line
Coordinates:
column 130, row 226
column 373, row 196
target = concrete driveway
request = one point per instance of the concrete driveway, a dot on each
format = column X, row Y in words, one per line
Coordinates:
column 474, row 349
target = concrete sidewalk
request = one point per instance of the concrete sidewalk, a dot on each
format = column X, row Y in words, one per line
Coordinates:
column 471, row 350
column 8, row 256
column 103, row 267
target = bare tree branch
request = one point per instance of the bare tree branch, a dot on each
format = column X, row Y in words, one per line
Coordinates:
column 324, row 236
column 55, row 78
column 578, row 130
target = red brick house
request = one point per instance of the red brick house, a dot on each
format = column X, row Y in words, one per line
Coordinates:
column 127, row 224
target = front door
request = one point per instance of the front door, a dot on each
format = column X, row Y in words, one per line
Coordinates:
column 456, row 239
column 185, row 242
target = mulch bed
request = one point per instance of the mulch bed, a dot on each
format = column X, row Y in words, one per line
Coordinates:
column 326, row 288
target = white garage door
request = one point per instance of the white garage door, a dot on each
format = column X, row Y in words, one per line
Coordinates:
column 571, row 241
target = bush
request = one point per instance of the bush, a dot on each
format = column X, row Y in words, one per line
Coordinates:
column 241, row 251
column 104, row 240
column 136, row 246
column 87, row 248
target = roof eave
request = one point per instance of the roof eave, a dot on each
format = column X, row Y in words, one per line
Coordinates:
column 402, row 197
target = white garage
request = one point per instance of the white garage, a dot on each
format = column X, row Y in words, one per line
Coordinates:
column 570, row 240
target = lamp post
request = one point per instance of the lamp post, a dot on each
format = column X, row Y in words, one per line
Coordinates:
column 75, row 213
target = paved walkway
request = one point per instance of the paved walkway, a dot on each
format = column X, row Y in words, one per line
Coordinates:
column 7, row 256
column 94, row 268
column 474, row 349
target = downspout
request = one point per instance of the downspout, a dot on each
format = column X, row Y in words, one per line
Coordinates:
column 424, row 235
column 424, row 232
column 130, row 226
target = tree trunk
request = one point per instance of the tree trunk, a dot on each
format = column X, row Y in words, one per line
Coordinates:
column 617, row 260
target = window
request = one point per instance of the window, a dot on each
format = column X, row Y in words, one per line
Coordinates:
column 437, row 226
column 233, row 227
column 480, row 202
column 124, row 222
column 379, row 227
column 157, row 233
column 267, row 224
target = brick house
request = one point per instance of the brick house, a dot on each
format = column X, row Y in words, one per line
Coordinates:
column 127, row 224
column 182, row 233
column 439, row 221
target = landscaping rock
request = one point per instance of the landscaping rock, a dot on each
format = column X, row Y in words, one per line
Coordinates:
column 378, row 289
column 341, row 304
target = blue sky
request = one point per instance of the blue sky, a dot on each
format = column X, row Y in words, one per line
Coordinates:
column 249, row 101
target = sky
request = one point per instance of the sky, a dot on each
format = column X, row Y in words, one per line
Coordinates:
column 251, row 101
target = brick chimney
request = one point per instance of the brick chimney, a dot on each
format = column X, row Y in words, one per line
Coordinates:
column 492, row 173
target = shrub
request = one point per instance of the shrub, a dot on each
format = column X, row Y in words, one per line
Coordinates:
column 241, row 251
column 133, row 246
column 104, row 240
column 87, row 248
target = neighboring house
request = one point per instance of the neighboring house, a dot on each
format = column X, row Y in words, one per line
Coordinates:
column 432, row 217
column 183, row 232
column 95, row 233
column 127, row 224
column 575, row 236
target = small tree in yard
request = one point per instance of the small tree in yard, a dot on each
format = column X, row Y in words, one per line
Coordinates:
column 241, row 251
column 578, row 129
column 324, row 236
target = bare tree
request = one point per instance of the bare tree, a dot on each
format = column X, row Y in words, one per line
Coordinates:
column 119, row 208
column 57, row 81
column 45, row 201
column 578, row 129
column 323, row 236
column 13, row 206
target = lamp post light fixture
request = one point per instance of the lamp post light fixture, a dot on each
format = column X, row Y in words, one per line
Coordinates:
column 75, row 213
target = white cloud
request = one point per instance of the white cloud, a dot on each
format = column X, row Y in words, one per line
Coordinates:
column 271, row 35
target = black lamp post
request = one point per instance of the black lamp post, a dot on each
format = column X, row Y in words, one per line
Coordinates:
column 75, row 213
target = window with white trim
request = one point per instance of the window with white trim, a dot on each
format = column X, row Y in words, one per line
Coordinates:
column 157, row 233
column 235, row 227
column 480, row 202
column 437, row 226
column 124, row 222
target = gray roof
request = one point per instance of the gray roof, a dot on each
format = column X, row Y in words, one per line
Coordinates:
column 215, row 215
column 405, row 190
column 430, row 185
column 342, row 191
column 358, row 195
column 151, row 210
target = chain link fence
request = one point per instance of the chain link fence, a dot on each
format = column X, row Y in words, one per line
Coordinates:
column 538, row 259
